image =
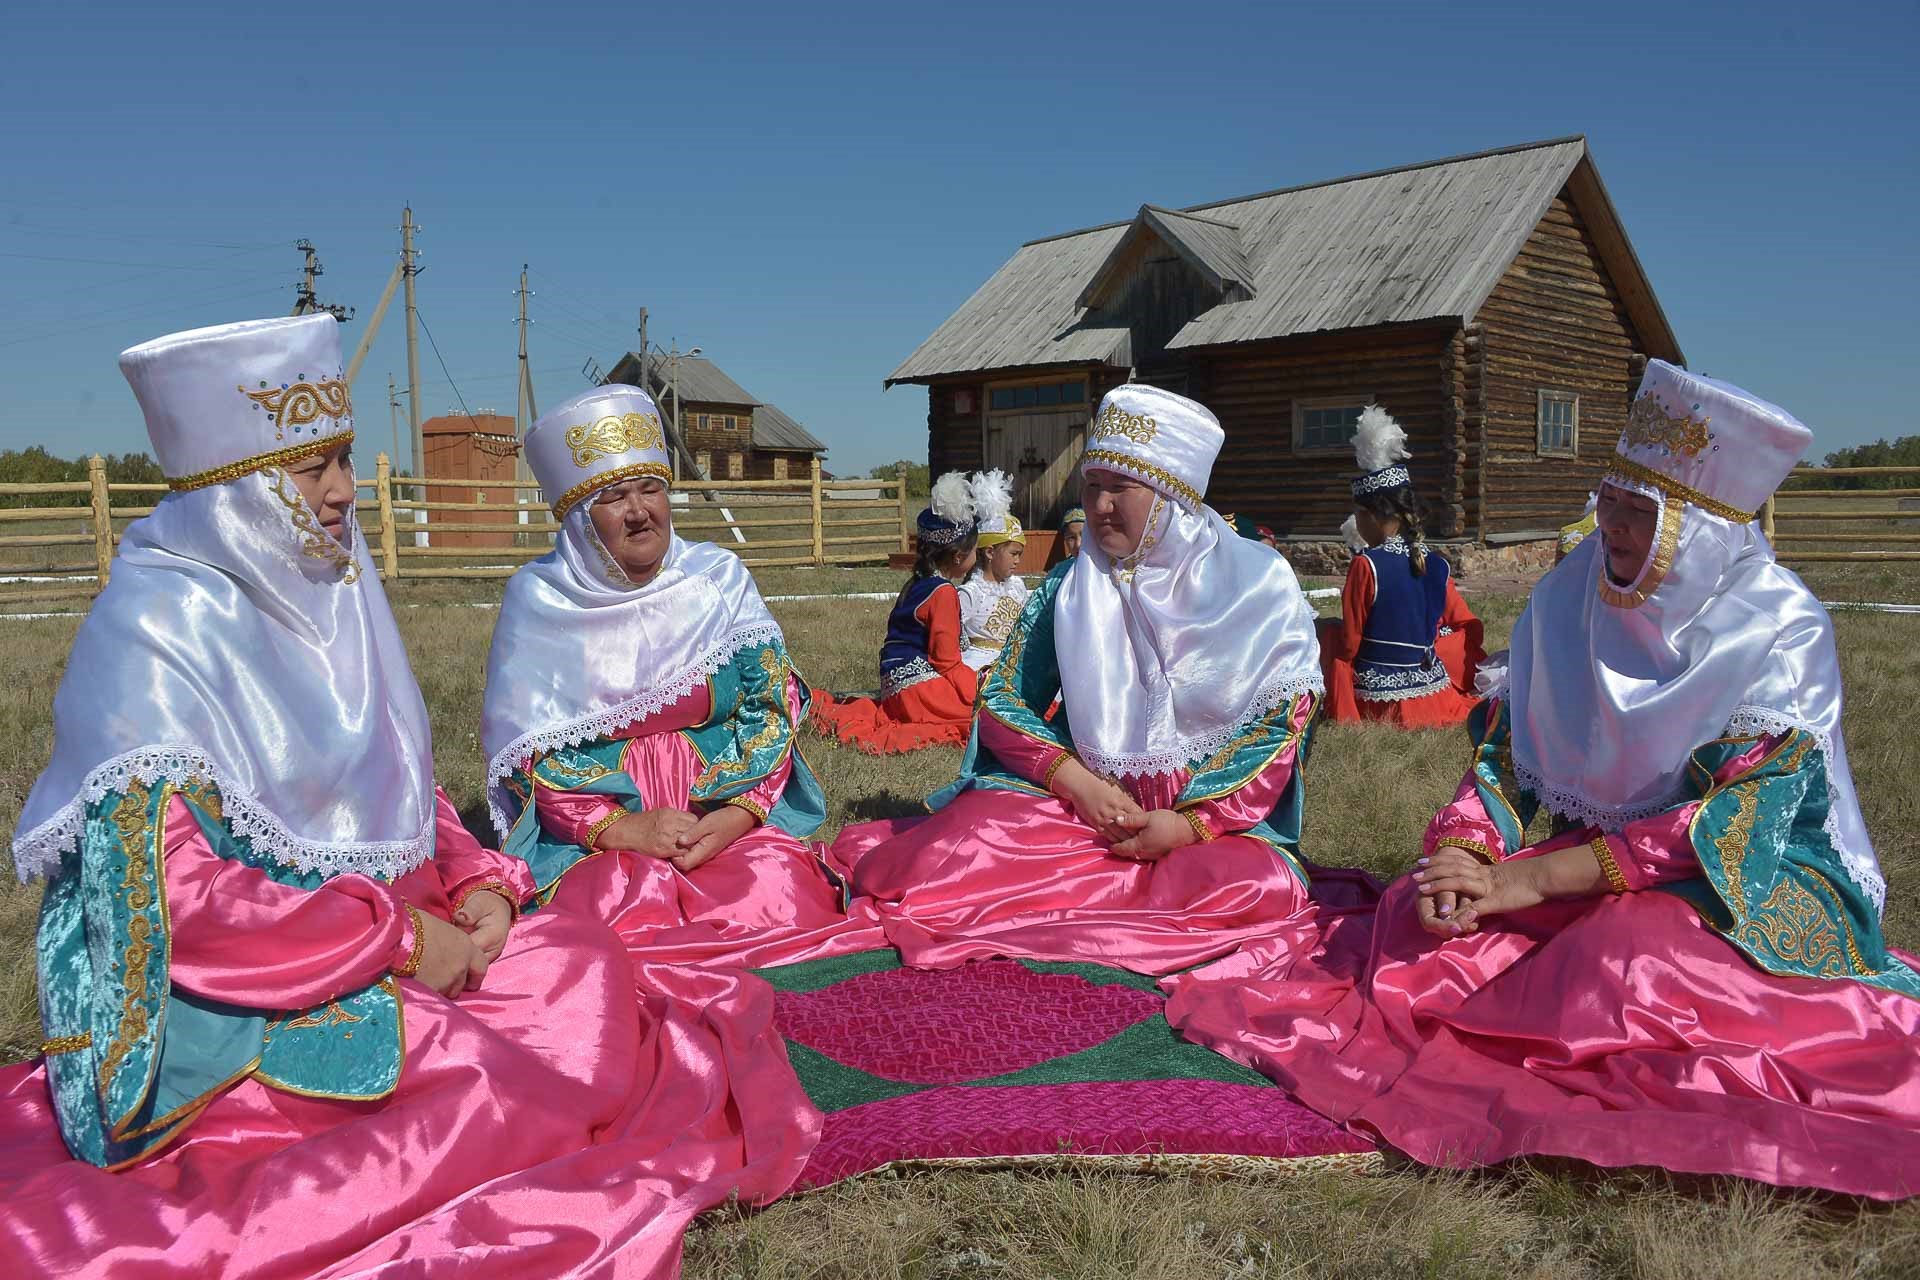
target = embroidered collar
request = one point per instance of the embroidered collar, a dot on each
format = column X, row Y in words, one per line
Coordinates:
column 1396, row 544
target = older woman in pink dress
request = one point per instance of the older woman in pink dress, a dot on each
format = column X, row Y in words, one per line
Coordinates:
column 1153, row 820
column 1688, row 970
column 293, row 1023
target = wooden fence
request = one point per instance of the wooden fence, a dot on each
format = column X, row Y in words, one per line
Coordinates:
column 804, row 521
column 1823, row 524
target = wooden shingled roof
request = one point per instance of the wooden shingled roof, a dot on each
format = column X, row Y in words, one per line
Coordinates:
column 1421, row 243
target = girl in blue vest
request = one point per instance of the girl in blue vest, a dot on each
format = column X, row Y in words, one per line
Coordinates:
column 1406, row 646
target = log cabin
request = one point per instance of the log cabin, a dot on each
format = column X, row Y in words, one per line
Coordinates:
column 1492, row 303
column 731, row 434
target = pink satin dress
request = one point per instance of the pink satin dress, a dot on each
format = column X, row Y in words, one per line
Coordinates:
column 765, row 899
column 546, row 1124
column 1005, row 873
column 1619, row 1030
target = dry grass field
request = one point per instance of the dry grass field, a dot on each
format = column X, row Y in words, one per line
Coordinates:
column 1370, row 794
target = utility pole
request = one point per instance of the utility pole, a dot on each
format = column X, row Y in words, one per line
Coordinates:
column 410, row 268
column 393, row 408
column 306, row 300
column 644, row 384
column 524, row 414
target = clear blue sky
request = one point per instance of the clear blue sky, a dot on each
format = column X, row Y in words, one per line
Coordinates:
column 806, row 191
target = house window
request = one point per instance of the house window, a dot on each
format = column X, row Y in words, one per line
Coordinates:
column 703, row 421
column 736, row 467
column 1558, row 424
column 1038, row 395
column 779, row 467
column 733, row 422
column 1326, row 426
column 704, row 461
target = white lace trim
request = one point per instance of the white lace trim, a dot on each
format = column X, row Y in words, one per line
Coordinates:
column 38, row 852
column 600, row 724
column 1177, row 757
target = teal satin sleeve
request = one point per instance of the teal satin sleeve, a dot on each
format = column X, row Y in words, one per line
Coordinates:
column 592, row 768
column 130, row 1061
column 1509, row 806
column 748, row 736
column 1771, row 880
column 1286, row 728
column 1017, row 691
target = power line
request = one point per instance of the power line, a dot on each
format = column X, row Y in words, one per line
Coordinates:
column 21, row 329
column 443, row 368
column 169, row 304
column 38, row 229
column 111, row 262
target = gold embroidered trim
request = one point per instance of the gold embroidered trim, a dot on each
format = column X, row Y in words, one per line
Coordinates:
column 1616, row 882
column 566, row 501
column 411, row 965
column 599, row 828
column 1666, row 545
column 1473, row 847
column 613, row 435
column 130, row 820
column 1145, row 470
column 66, row 1044
column 495, row 886
column 1649, row 423
column 1202, row 833
column 259, row 461
column 315, row 541
column 1115, row 421
column 1632, row 470
column 1059, row 761
column 777, row 687
column 301, row 402
column 741, row 802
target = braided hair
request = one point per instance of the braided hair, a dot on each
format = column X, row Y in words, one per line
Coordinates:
column 1403, row 504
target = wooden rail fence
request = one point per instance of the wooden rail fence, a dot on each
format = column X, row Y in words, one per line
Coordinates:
column 1824, row 524
column 803, row 521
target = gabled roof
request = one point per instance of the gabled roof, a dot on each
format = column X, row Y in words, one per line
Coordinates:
column 773, row 429
column 1210, row 246
column 700, row 380
column 1420, row 243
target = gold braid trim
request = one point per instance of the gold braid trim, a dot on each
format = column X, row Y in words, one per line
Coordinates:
column 1202, row 833
column 493, row 886
column 1146, row 470
column 1616, row 882
column 566, row 501
column 1660, row 480
column 412, row 964
column 67, row 1044
column 1473, row 847
column 741, row 802
column 599, row 828
column 247, row 466
column 1059, row 762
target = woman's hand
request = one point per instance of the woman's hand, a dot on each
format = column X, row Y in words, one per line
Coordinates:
column 486, row 916
column 718, row 829
column 654, row 833
column 1161, row 833
column 1101, row 804
column 1479, row 889
column 450, row 961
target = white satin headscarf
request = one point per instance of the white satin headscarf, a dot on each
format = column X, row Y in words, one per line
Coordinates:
column 232, row 646
column 1169, row 653
column 1608, row 702
column 580, row 652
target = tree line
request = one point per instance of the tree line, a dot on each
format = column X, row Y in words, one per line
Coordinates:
column 36, row 466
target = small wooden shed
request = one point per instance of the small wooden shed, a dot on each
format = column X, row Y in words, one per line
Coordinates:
column 1492, row 303
column 482, row 448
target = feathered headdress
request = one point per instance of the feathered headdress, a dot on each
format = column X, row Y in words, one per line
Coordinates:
column 993, row 509
column 949, row 514
column 1380, row 447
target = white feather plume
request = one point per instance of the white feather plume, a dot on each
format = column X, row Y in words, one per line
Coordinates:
column 1350, row 533
column 951, row 499
column 992, row 493
column 1378, row 441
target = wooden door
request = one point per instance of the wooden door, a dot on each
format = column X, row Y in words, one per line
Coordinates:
column 1039, row 450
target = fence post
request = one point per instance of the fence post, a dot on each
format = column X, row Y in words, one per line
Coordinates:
column 389, row 536
column 819, row 516
column 102, row 506
column 1766, row 519
column 906, row 520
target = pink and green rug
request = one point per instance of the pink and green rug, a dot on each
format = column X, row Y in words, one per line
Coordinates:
column 1008, row 1062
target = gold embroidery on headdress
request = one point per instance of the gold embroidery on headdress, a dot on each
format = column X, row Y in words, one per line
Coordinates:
column 300, row 402
column 613, row 434
column 1115, row 421
column 1649, row 423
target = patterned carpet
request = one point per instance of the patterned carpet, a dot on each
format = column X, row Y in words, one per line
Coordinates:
column 1007, row 1062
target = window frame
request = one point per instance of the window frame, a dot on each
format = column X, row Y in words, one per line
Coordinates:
column 1301, row 406
column 703, row 459
column 736, row 465
column 1544, row 396
column 1082, row 405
